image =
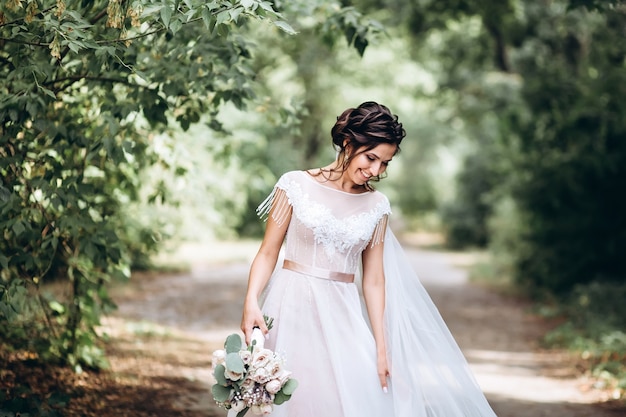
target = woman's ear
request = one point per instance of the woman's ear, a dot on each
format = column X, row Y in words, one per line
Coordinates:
column 346, row 146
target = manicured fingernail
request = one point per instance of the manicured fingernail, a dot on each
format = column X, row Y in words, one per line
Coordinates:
column 385, row 390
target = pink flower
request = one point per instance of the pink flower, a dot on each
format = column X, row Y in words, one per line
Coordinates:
column 283, row 377
column 260, row 375
column 273, row 386
column 261, row 358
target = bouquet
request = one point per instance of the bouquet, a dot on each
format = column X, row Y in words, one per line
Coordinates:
column 251, row 378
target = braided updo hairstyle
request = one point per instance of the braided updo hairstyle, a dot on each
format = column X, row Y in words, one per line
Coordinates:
column 363, row 128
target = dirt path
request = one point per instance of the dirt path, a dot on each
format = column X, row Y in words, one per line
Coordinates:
column 168, row 325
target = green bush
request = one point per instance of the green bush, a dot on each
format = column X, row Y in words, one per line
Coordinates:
column 572, row 152
column 595, row 328
column 465, row 219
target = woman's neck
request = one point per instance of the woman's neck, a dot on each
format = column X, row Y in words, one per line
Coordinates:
column 333, row 174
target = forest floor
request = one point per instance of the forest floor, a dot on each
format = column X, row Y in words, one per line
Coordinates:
column 161, row 338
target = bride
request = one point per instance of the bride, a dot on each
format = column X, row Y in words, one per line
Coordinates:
column 397, row 359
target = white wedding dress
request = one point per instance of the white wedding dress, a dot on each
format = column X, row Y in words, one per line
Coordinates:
column 320, row 327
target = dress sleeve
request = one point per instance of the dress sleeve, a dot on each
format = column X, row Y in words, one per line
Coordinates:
column 379, row 231
column 276, row 206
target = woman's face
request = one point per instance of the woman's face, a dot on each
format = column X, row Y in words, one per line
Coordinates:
column 370, row 163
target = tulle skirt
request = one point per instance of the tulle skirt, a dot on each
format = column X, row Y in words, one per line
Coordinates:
column 321, row 330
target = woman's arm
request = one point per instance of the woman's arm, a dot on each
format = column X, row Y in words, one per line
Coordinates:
column 263, row 265
column 374, row 294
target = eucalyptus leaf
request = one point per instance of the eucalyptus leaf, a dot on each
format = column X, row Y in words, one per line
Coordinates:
column 234, row 363
column 233, row 343
column 281, row 397
column 220, row 393
column 289, row 387
column 218, row 373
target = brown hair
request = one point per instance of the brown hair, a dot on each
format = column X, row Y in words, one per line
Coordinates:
column 360, row 129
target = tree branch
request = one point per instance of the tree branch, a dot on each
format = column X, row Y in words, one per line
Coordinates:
column 47, row 45
column 92, row 78
column 12, row 22
column 143, row 35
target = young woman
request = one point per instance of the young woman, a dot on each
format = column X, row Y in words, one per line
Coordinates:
column 398, row 358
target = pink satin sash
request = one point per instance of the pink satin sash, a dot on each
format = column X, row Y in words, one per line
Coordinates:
column 318, row 272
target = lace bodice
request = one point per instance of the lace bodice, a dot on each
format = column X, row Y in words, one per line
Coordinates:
column 328, row 228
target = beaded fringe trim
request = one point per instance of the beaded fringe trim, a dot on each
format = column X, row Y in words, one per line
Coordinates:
column 276, row 205
column 379, row 232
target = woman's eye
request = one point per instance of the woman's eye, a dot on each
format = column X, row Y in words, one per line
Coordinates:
column 370, row 158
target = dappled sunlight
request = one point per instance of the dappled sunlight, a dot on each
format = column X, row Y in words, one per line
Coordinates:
column 522, row 376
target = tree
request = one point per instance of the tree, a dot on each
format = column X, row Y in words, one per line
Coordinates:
column 572, row 150
column 545, row 81
column 83, row 86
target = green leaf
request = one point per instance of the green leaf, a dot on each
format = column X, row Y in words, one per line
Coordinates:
column 289, row 387
column 234, row 363
column 233, row 343
column 281, row 397
column 234, row 13
column 56, row 307
column 48, row 92
column 176, row 25
column 151, row 10
column 166, row 16
column 266, row 5
column 285, row 27
column 220, row 393
column 18, row 228
column 223, row 17
column 218, row 373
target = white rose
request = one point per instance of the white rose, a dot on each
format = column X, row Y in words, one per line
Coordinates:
column 275, row 367
column 261, row 358
column 238, row 405
column 245, row 356
column 273, row 386
column 233, row 376
column 261, row 376
column 283, row 377
column 219, row 356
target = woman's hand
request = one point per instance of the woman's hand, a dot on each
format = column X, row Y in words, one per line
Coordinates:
column 383, row 370
column 252, row 317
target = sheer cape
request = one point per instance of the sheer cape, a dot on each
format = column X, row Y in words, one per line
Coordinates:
column 429, row 374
